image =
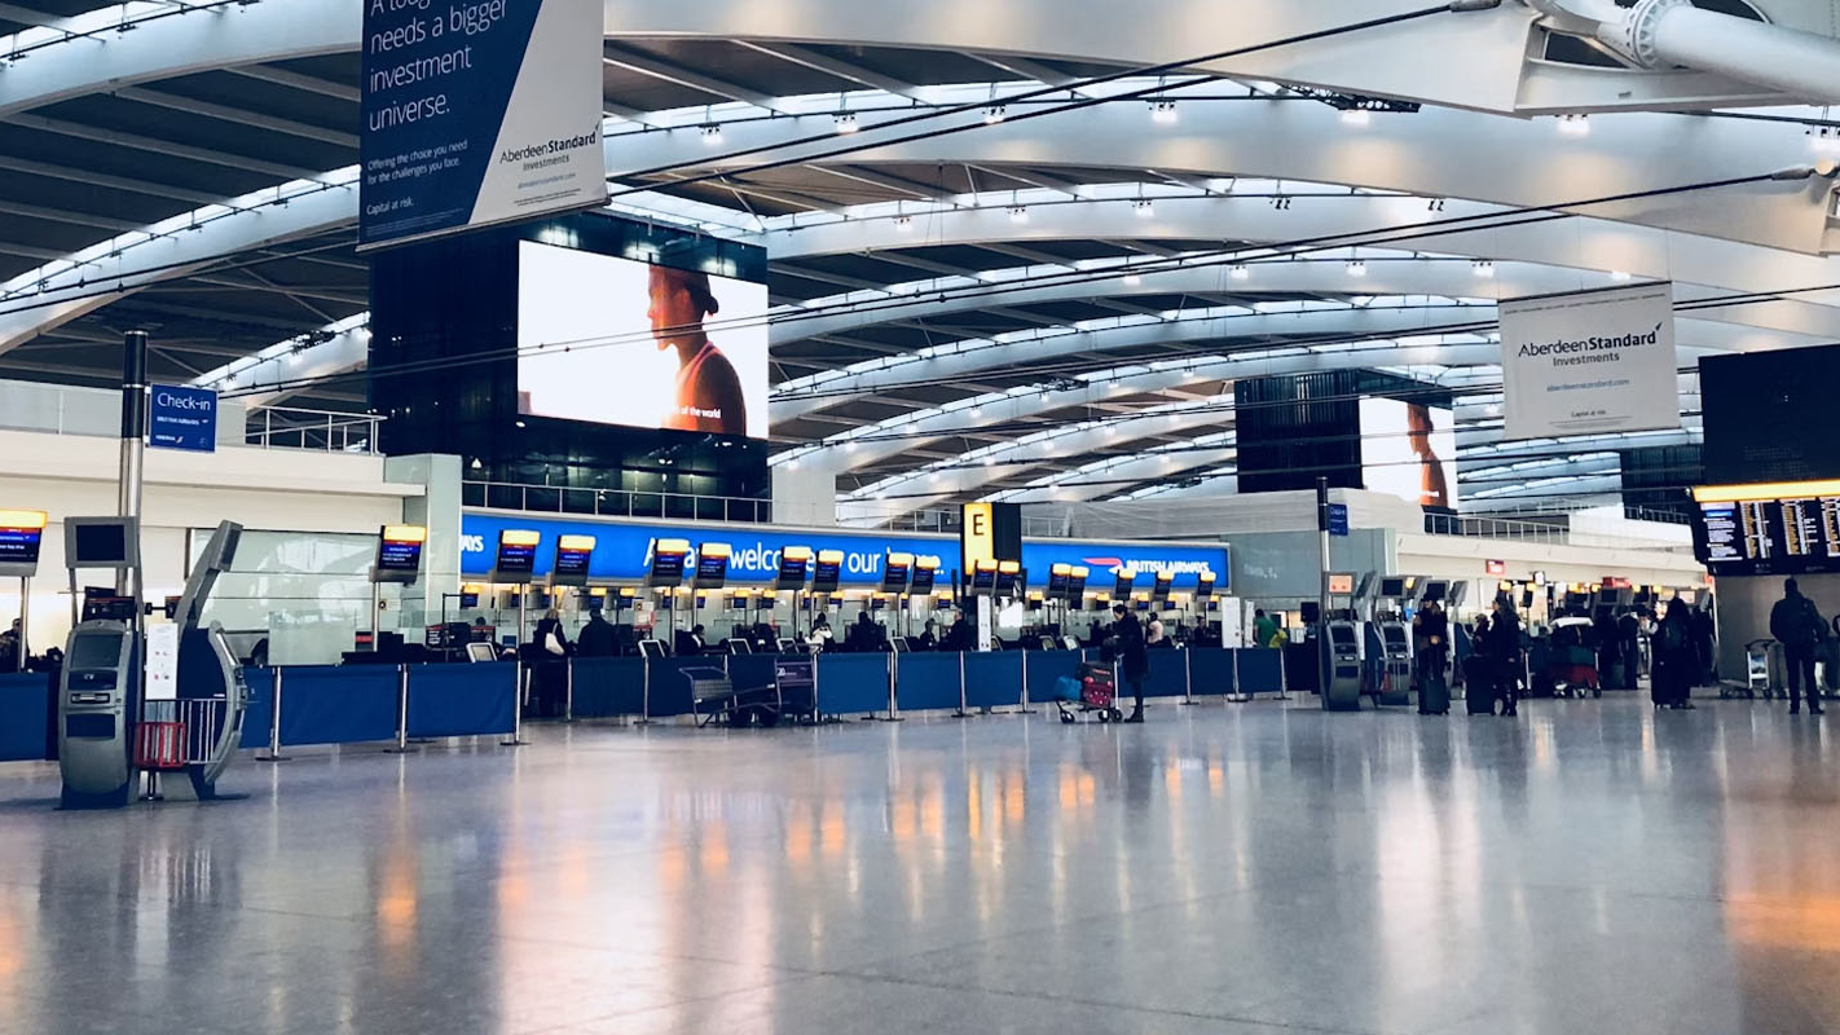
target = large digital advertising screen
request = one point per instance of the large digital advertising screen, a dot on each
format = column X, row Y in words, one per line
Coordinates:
column 1409, row 450
column 611, row 340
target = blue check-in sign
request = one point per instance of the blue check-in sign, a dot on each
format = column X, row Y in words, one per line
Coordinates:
column 182, row 417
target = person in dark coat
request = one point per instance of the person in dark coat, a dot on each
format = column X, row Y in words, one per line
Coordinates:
column 549, row 669
column 1629, row 645
column 1671, row 682
column 1133, row 657
column 1705, row 631
column 929, row 637
column 597, row 639
column 1505, row 650
column 1797, row 625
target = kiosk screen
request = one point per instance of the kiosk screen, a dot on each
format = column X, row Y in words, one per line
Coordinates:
column 984, row 580
column 712, row 565
column 1009, row 578
column 895, row 570
column 668, row 559
column 794, row 567
column 1059, row 577
column 101, row 545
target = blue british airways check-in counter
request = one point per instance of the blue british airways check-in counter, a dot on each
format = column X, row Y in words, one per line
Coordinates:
column 622, row 547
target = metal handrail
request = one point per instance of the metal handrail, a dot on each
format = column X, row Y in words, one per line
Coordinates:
column 1534, row 531
column 287, row 427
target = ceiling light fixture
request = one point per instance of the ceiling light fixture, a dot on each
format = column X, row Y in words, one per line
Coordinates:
column 1144, row 208
column 1357, row 268
column 846, row 123
column 1163, row 113
column 712, row 134
column 1575, row 125
column 1132, row 280
column 904, row 224
column 1018, row 214
column 994, row 114
column 1484, row 269
column 1240, row 272
column 1619, row 275
column 1356, row 117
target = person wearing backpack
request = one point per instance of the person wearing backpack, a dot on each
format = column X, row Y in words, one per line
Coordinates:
column 1796, row 624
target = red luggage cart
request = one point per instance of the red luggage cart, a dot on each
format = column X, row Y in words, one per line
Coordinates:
column 1098, row 689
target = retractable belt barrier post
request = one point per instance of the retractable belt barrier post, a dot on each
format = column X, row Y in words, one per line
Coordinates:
column 402, row 712
column 645, row 694
column 1239, row 694
column 274, row 722
column 963, row 712
column 1023, row 708
column 1188, row 676
column 894, row 679
column 568, row 690
column 517, row 698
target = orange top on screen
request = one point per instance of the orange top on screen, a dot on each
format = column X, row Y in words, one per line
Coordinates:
column 1007, row 567
column 393, row 533
column 22, row 519
column 519, row 537
column 584, row 543
column 830, row 556
column 671, row 546
column 1061, row 569
column 901, row 559
column 927, row 562
column 1080, row 571
column 715, row 549
column 986, row 564
column 797, row 553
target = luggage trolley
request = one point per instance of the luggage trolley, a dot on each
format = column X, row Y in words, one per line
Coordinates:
column 1758, row 657
column 1092, row 691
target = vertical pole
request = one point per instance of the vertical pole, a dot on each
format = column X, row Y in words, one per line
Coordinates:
column 25, row 623
column 1322, row 590
column 133, row 444
column 568, row 690
column 274, row 724
column 376, row 613
column 402, row 707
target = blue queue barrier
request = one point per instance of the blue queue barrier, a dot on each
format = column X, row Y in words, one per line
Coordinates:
column 459, row 700
column 751, row 673
column 25, row 702
column 328, row 704
column 927, row 682
column 993, row 679
column 606, row 688
column 670, row 688
column 1168, row 674
column 1261, row 670
column 853, row 684
column 1045, row 670
column 261, row 713
column 1211, row 671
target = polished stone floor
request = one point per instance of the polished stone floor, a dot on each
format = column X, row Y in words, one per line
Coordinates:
column 1249, row 870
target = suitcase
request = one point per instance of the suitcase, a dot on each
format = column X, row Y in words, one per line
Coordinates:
column 1434, row 695
column 1479, row 686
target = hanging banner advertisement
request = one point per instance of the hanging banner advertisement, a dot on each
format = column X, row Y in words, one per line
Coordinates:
column 477, row 113
column 1590, row 362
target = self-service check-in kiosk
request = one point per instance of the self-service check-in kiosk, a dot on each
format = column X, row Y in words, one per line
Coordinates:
column 1341, row 644
column 794, row 572
column 897, row 575
column 99, row 695
column 515, row 564
column 1389, row 642
column 21, row 534
column 574, row 556
column 100, row 692
column 399, row 561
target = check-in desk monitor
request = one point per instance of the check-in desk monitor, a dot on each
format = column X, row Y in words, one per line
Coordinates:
column 574, row 555
column 828, row 573
column 399, row 553
column 925, row 577
column 1009, row 580
column 1059, row 576
column 984, row 579
column 794, row 568
column 712, row 566
column 667, row 563
column 896, row 569
column 517, row 556
column 1126, row 580
column 22, row 532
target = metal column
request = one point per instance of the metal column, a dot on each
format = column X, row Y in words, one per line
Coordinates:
column 1322, row 590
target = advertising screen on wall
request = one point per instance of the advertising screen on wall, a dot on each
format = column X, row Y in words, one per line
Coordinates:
column 1409, row 450
column 612, row 340
column 1768, row 414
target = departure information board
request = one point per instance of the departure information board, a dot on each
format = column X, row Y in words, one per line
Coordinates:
column 1769, row 537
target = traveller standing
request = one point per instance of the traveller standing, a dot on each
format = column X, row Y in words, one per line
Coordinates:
column 1505, row 651
column 1264, row 629
column 550, row 650
column 597, row 639
column 1671, row 681
column 1796, row 624
column 1705, row 631
column 1133, row 659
